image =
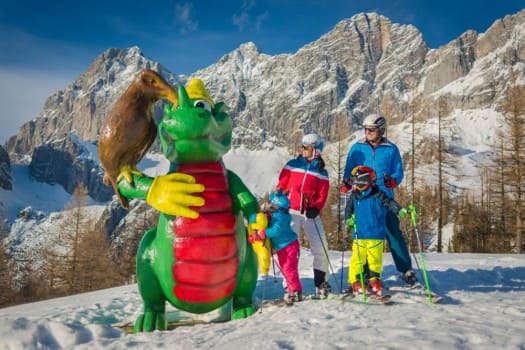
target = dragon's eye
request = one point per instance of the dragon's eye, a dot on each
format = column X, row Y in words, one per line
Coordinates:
column 202, row 104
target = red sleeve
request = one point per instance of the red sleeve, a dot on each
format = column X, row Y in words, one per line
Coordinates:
column 322, row 194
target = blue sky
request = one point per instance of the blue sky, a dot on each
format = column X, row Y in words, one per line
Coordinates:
column 44, row 45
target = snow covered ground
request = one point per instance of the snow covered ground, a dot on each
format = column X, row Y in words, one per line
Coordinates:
column 482, row 309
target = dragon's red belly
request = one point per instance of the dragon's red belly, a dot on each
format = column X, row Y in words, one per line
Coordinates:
column 205, row 249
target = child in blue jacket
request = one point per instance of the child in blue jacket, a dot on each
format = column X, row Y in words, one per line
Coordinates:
column 285, row 243
column 366, row 212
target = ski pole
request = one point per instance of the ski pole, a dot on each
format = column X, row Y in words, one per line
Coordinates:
column 273, row 267
column 413, row 214
column 325, row 252
column 361, row 272
column 343, row 247
column 265, row 279
column 263, row 293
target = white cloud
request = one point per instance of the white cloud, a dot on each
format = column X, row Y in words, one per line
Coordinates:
column 183, row 18
column 242, row 20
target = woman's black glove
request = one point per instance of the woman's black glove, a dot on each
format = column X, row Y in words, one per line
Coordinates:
column 312, row 212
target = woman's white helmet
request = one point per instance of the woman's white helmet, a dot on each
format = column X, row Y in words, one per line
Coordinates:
column 313, row 140
column 377, row 121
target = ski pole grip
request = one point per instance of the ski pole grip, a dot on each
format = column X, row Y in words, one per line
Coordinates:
column 413, row 214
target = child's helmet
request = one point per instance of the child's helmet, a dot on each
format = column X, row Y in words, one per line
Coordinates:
column 279, row 200
column 363, row 177
column 313, row 140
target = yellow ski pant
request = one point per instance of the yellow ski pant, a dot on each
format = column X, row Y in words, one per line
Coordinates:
column 366, row 252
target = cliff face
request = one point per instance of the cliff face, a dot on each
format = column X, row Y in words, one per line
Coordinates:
column 5, row 170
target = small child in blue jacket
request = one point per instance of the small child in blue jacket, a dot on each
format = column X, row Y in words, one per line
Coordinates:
column 285, row 243
column 365, row 212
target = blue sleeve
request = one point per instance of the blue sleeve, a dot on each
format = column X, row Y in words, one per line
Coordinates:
column 276, row 226
column 396, row 170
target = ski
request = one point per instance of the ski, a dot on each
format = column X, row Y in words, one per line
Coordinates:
column 371, row 298
column 279, row 302
column 418, row 291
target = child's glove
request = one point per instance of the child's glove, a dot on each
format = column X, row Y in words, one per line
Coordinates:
column 403, row 213
column 345, row 186
column 350, row 222
column 259, row 235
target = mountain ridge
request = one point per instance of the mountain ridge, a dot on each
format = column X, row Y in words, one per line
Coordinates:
column 364, row 64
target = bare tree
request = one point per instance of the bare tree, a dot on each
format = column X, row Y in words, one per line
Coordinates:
column 333, row 211
column 514, row 156
column 6, row 276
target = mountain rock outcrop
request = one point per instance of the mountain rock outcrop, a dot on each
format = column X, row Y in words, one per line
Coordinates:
column 5, row 170
column 68, row 163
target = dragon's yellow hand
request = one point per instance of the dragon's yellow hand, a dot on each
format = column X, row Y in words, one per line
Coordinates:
column 172, row 194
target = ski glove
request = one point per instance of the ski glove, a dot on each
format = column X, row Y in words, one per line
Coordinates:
column 346, row 186
column 390, row 182
column 350, row 222
column 402, row 213
column 312, row 213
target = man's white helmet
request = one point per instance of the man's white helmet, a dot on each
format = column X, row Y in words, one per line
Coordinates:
column 313, row 140
column 375, row 120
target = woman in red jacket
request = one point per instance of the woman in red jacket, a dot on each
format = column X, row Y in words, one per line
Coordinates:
column 306, row 181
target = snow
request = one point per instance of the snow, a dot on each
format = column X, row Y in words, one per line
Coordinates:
column 27, row 192
column 482, row 309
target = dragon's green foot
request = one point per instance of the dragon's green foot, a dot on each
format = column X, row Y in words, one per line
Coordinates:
column 150, row 321
column 243, row 312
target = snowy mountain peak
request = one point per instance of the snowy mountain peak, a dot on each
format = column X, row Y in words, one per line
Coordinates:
column 366, row 64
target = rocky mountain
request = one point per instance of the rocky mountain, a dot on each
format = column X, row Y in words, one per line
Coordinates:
column 365, row 64
column 82, row 107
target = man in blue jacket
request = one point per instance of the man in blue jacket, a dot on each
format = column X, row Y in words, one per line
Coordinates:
column 382, row 155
